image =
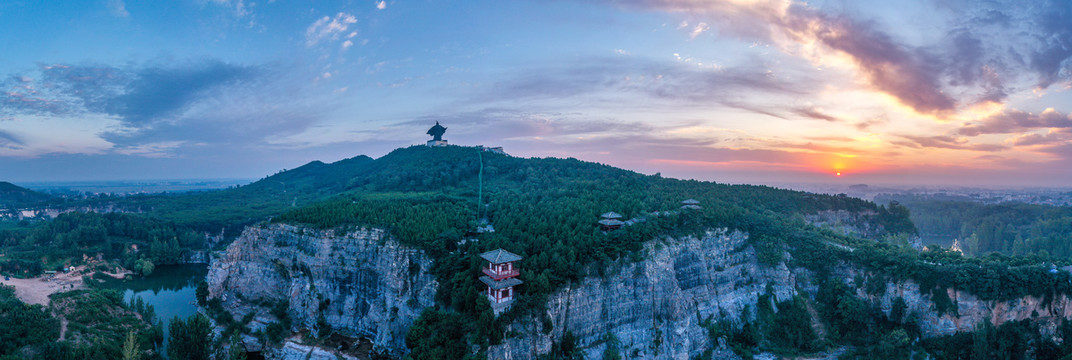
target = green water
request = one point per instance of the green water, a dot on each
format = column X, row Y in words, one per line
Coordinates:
column 170, row 289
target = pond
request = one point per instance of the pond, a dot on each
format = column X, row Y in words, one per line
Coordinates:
column 170, row 289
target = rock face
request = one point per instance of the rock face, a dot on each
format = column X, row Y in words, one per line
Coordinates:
column 970, row 311
column 362, row 282
column 654, row 307
column 294, row 351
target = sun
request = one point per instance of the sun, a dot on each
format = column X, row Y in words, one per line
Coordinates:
column 837, row 173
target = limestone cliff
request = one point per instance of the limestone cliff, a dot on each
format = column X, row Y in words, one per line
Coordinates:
column 654, row 307
column 366, row 284
column 363, row 281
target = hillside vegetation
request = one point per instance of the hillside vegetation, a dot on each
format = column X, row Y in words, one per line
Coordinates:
column 14, row 196
column 1008, row 228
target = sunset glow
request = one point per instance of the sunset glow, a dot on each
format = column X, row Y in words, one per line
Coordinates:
column 756, row 91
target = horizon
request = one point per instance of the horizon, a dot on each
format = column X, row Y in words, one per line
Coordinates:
column 743, row 92
column 796, row 185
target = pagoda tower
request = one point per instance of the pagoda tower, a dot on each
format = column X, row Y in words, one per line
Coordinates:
column 500, row 276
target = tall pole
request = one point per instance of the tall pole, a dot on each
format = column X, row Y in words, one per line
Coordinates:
column 480, row 186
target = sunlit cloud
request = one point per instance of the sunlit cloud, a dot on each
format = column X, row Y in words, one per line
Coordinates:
column 118, row 8
column 328, row 28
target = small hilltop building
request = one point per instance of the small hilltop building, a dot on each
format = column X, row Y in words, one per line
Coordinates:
column 692, row 204
column 493, row 149
column 610, row 221
column 437, row 132
column 501, row 277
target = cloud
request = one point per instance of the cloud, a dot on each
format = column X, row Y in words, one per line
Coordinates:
column 239, row 7
column 138, row 96
column 151, row 150
column 157, row 92
column 946, row 142
column 9, row 140
column 160, row 109
column 1013, row 120
column 118, row 8
column 699, row 29
column 381, row 5
column 1049, row 138
column 328, row 28
column 1052, row 59
column 509, row 123
column 814, row 113
column 889, row 66
column 677, row 83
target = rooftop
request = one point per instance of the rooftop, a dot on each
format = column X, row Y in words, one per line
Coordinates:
column 505, row 283
column 611, row 215
column 691, row 202
column 611, row 222
column 499, row 256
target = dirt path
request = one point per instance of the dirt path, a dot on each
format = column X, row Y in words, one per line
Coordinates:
column 816, row 324
column 63, row 328
column 36, row 290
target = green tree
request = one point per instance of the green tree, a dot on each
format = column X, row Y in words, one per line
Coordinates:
column 131, row 348
column 144, row 267
column 202, row 293
column 190, row 339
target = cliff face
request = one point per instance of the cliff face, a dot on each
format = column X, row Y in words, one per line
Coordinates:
column 366, row 284
column 970, row 310
column 654, row 307
column 363, row 282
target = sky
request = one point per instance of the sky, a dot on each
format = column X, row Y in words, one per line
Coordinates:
column 945, row 92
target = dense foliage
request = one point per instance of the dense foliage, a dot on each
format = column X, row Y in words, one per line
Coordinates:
column 22, row 324
column 136, row 241
column 1008, row 228
column 190, row 338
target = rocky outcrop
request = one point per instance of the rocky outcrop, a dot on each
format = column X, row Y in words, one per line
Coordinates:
column 294, row 351
column 362, row 283
column 654, row 307
column 970, row 311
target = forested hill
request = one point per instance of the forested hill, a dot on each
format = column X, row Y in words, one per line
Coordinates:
column 421, row 172
column 12, row 195
column 546, row 209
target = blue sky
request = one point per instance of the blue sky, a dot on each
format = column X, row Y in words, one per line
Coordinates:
column 949, row 92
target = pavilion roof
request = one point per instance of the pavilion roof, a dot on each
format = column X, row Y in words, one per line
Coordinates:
column 499, row 256
column 611, row 215
column 691, row 202
column 611, row 222
column 502, row 284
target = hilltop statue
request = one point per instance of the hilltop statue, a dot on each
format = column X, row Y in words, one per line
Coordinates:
column 437, row 132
